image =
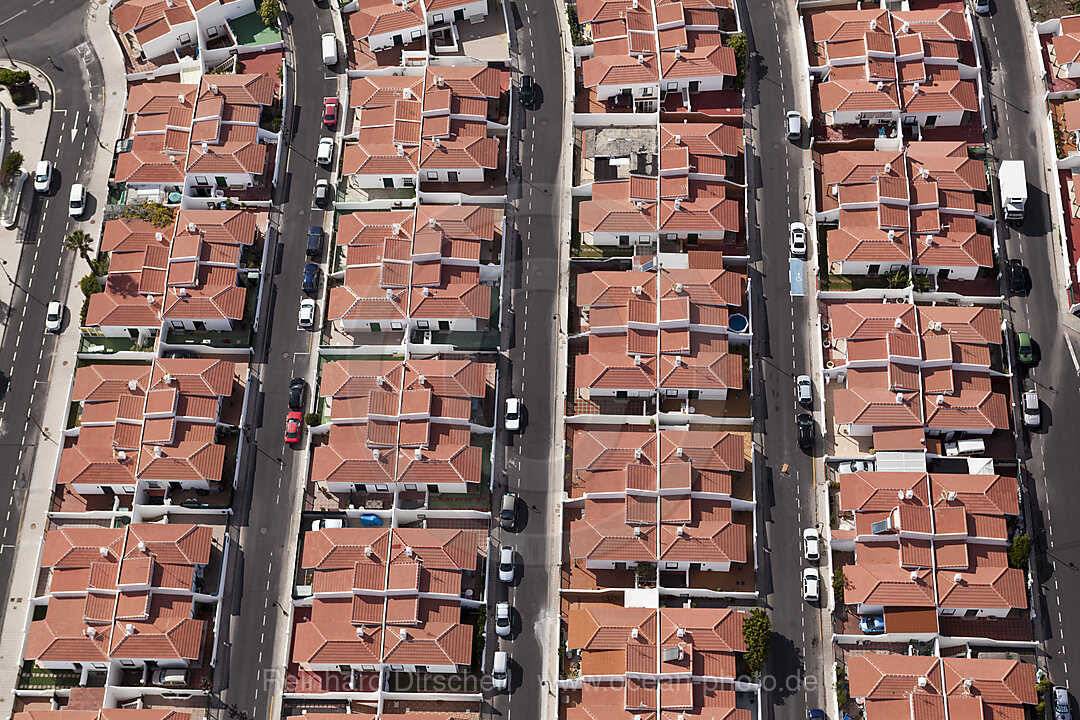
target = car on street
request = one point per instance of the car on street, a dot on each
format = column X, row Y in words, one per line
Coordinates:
column 292, row 427
column 297, row 391
column 816, row 714
column 804, row 426
column 1062, row 708
column 793, row 124
column 854, row 466
column 310, row 282
column 77, row 200
column 506, row 564
column 54, row 315
column 1032, row 413
column 982, row 7
column 329, row 112
column 527, row 93
column 1014, row 273
column 322, row 192
column 43, row 176
column 1025, row 353
column 305, row 318
column 810, row 582
column 508, row 514
column 872, row 624
column 811, row 544
column 502, row 619
column 500, row 673
column 325, row 153
column 512, row 416
column 314, row 241
column 797, row 239
column 804, row 390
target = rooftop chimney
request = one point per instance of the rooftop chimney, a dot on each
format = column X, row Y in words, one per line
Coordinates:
column 678, row 287
column 899, row 398
column 951, row 496
column 380, row 380
column 898, row 323
column 180, row 98
column 133, row 385
column 880, row 86
column 376, row 454
column 425, row 291
column 637, row 361
column 923, row 680
column 439, row 80
column 909, row 493
column 437, row 142
column 637, row 532
column 916, row 87
column 129, row 629
column 635, row 633
column 213, row 88
column 360, row 632
column 678, row 54
column 192, row 227
column 103, row 551
column 157, row 451
column 638, row 453
column 159, row 237
column 678, row 452
column 936, row 326
column 681, row 632
column 389, row 294
column 678, row 203
column 205, row 146
column 400, row 149
column 90, row 632
column 408, row 551
column 679, row 531
column 914, row 576
column 678, row 139
column 422, row 379
column 957, row 578
column 418, row 454
column 142, row 546
column 121, row 456
column 939, row 400
column 899, row 494
column 639, row 205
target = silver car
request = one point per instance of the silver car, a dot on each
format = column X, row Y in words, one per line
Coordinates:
column 502, row 619
column 1032, row 413
column 1062, row 710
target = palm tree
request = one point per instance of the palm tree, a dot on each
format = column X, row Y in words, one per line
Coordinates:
column 81, row 242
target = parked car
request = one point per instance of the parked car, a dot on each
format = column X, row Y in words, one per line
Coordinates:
column 527, row 93
column 54, row 316
column 966, row 446
column 329, row 112
column 1014, row 272
column 797, row 241
column 43, row 176
column 502, row 619
column 804, row 424
column 328, row 524
column 793, row 124
column 1032, row 413
column 170, row 677
column 506, row 564
column 508, row 514
column 854, row 466
column 77, row 200
column 310, row 282
column 816, row 714
column 305, row 318
column 292, row 427
column 1062, row 708
column 872, row 624
column 982, row 7
column 314, row 241
column 512, row 416
column 500, row 674
column 297, row 393
column 810, row 582
column 1025, row 353
column 325, row 152
column 811, row 544
column 804, row 390
column 322, row 192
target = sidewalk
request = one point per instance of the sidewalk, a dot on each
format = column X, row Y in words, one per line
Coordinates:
column 111, row 100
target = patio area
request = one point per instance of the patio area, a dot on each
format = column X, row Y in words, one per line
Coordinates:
column 250, row 30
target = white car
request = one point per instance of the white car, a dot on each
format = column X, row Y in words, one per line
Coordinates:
column 811, row 544
column 506, row 564
column 77, row 200
column 54, row 315
column 500, row 670
column 804, row 390
column 502, row 619
column 810, row 582
column 326, row 151
column 43, row 176
column 306, row 316
column 327, row 524
column 1032, row 413
column 854, row 466
column 512, row 417
column 797, row 239
column 982, row 7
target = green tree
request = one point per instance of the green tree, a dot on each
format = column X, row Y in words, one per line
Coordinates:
column 12, row 164
column 839, row 580
column 81, row 242
column 841, row 688
column 14, row 78
column 737, row 43
column 757, row 632
column 268, row 11
column 1019, row 551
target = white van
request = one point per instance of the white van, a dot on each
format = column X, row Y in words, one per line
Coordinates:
column 969, row 446
column 329, row 49
column 77, row 200
column 500, row 675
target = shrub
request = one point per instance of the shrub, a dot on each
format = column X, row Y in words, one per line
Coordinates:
column 737, row 43
column 12, row 164
column 1019, row 551
column 838, row 583
column 156, row 214
column 576, row 36
column 89, row 284
column 757, row 632
column 313, row 419
column 841, row 687
column 268, row 11
column 13, row 78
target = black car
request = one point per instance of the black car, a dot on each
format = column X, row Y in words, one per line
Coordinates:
column 314, row 241
column 322, row 192
column 804, row 423
column 297, row 390
column 527, row 94
column 311, row 278
column 1014, row 271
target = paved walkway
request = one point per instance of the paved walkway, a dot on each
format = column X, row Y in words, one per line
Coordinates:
column 111, row 99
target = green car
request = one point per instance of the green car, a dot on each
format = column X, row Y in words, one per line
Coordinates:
column 1024, row 352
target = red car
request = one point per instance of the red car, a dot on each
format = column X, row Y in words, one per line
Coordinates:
column 292, row 427
column 329, row 113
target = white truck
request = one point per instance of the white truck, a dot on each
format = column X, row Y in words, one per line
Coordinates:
column 1014, row 192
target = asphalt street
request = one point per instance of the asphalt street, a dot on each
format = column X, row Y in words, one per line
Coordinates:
column 249, row 675
column 1050, row 454
column 782, row 340
column 33, row 34
column 532, row 274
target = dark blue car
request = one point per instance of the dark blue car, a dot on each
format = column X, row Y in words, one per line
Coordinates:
column 311, row 278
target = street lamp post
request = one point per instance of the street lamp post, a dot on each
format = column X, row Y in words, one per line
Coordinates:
column 4, row 41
